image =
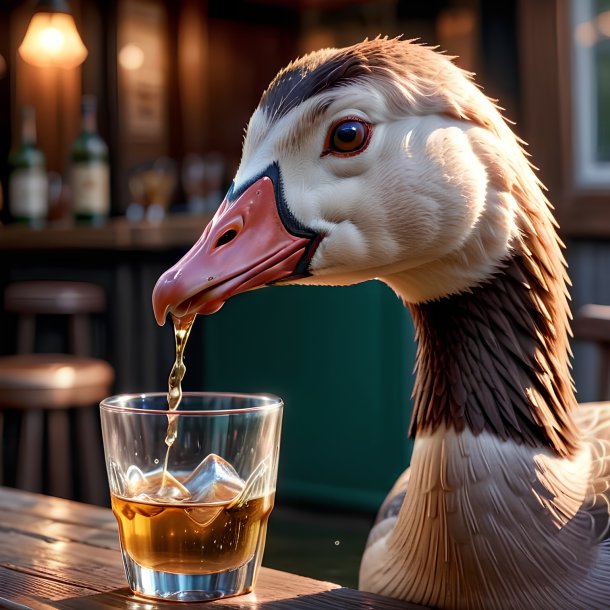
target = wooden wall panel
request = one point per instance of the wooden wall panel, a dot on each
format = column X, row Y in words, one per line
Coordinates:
column 193, row 59
column 243, row 59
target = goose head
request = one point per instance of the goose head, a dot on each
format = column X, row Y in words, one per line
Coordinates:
column 381, row 160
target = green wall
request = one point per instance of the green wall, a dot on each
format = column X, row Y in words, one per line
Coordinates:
column 342, row 360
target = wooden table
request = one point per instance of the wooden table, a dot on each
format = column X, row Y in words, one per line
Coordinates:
column 56, row 553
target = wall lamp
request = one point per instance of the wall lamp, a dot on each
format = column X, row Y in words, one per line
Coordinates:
column 52, row 39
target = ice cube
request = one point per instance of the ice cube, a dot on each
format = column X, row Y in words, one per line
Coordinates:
column 204, row 515
column 214, row 481
column 155, row 486
column 172, row 489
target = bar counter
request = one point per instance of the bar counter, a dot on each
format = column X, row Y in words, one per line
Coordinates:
column 55, row 553
column 174, row 231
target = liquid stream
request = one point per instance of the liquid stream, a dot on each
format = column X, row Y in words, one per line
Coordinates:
column 170, row 488
column 182, row 330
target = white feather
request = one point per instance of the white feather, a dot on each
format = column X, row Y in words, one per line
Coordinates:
column 480, row 504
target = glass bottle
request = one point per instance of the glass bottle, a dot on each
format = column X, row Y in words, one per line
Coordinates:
column 90, row 171
column 28, row 188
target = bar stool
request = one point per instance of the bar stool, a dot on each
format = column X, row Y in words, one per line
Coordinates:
column 592, row 323
column 54, row 395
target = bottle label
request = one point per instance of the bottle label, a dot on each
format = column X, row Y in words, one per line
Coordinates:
column 28, row 193
column 91, row 188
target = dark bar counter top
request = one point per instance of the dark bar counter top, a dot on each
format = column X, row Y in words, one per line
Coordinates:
column 174, row 231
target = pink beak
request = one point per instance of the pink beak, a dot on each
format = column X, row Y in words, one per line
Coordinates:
column 246, row 245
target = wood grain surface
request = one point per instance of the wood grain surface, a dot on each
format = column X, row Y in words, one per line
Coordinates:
column 56, row 553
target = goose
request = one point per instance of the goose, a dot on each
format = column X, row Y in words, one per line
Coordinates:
column 385, row 161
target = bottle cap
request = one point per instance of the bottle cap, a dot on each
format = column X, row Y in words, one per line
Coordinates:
column 88, row 103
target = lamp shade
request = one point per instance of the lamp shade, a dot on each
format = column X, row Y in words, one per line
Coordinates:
column 53, row 40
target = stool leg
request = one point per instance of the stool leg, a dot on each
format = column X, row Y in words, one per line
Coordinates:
column 60, row 474
column 29, row 454
column 26, row 334
column 91, row 468
column 80, row 341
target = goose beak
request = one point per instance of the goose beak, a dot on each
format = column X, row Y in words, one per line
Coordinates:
column 248, row 244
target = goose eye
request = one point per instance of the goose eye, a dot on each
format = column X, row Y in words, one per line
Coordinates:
column 349, row 136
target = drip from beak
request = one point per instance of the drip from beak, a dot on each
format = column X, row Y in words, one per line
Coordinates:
column 252, row 241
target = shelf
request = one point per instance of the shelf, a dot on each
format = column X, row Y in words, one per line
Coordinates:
column 175, row 231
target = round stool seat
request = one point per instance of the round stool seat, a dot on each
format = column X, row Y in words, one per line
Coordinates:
column 54, row 297
column 58, row 381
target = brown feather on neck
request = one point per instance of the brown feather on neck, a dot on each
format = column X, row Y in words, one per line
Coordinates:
column 496, row 359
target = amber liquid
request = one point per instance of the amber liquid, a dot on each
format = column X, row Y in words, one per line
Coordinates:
column 182, row 330
column 187, row 538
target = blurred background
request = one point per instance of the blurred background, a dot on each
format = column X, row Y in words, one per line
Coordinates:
column 114, row 154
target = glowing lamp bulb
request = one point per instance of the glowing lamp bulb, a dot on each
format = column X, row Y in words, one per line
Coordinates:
column 53, row 40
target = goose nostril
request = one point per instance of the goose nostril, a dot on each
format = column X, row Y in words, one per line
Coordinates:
column 226, row 237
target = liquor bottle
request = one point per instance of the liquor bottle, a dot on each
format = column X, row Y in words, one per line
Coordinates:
column 90, row 172
column 28, row 188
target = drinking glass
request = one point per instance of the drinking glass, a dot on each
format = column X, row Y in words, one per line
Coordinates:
column 192, row 516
